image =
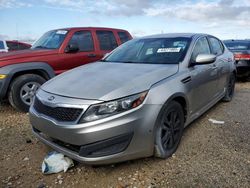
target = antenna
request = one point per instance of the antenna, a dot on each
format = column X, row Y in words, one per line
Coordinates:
column 16, row 32
column 17, row 36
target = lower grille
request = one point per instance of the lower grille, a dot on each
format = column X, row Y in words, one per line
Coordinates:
column 57, row 113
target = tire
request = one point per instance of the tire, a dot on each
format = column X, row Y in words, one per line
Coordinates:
column 22, row 91
column 230, row 88
column 169, row 129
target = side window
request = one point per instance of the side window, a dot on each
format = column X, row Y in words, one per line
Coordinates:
column 84, row 41
column 123, row 36
column 216, row 46
column 201, row 47
column 106, row 40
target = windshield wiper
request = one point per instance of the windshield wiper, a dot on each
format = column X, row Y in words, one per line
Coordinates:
column 104, row 60
column 125, row 62
column 130, row 62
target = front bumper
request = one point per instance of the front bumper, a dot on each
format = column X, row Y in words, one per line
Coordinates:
column 4, row 84
column 124, row 136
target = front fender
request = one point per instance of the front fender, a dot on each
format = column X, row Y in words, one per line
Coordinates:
column 11, row 70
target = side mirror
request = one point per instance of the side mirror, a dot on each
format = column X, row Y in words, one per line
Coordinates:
column 71, row 48
column 202, row 59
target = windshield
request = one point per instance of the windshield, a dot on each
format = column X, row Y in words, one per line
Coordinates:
column 151, row 51
column 51, row 40
column 244, row 45
column 1, row 45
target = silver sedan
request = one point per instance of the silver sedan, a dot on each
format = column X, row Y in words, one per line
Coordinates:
column 136, row 101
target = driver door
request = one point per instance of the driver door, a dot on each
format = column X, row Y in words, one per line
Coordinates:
column 86, row 54
column 204, row 78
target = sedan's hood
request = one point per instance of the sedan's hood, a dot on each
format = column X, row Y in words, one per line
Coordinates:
column 25, row 54
column 107, row 81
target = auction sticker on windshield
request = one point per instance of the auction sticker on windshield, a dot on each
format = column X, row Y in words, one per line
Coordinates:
column 166, row 50
column 61, row 32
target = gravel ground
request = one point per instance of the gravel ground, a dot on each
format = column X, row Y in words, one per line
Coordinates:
column 209, row 155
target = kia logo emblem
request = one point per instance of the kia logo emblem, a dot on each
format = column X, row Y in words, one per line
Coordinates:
column 51, row 98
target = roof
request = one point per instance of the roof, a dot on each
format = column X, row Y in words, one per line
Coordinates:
column 173, row 35
column 238, row 40
column 79, row 28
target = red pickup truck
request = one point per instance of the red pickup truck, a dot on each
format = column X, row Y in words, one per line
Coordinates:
column 23, row 72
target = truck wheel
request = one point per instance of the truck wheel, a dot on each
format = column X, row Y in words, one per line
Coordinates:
column 23, row 89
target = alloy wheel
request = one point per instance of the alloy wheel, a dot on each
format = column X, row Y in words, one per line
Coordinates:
column 170, row 130
column 28, row 92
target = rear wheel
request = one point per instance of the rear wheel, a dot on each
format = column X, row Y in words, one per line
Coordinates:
column 230, row 88
column 170, row 125
column 23, row 89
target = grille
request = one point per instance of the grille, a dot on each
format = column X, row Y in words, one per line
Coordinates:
column 57, row 113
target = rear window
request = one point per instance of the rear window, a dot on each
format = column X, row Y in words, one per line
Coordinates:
column 23, row 46
column 106, row 40
column 244, row 45
column 16, row 46
column 123, row 36
column 12, row 45
column 1, row 45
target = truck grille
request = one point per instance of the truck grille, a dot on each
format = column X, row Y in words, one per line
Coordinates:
column 57, row 113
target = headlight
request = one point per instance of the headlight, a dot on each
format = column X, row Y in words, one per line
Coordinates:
column 107, row 109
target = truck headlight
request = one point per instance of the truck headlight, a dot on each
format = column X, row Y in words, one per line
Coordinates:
column 2, row 76
column 110, row 108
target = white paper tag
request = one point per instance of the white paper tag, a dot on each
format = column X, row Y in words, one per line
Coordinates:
column 61, row 32
column 149, row 51
column 167, row 50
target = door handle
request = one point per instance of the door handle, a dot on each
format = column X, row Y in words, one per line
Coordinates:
column 91, row 55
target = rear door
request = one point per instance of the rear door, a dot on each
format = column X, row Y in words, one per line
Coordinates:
column 221, row 63
column 106, row 41
column 86, row 53
column 204, row 77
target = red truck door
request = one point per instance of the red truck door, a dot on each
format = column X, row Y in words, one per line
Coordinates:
column 106, row 41
column 86, row 53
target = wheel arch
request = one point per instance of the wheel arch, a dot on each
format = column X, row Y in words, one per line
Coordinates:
column 182, row 100
column 13, row 71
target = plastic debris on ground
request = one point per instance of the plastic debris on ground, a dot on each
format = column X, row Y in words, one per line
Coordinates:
column 216, row 121
column 56, row 162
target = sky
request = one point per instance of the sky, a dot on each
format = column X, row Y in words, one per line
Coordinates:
column 29, row 19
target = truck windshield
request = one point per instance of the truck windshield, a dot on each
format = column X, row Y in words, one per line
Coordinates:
column 151, row 51
column 51, row 40
column 1, row 45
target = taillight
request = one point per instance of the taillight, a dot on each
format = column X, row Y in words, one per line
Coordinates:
column 242, row 56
